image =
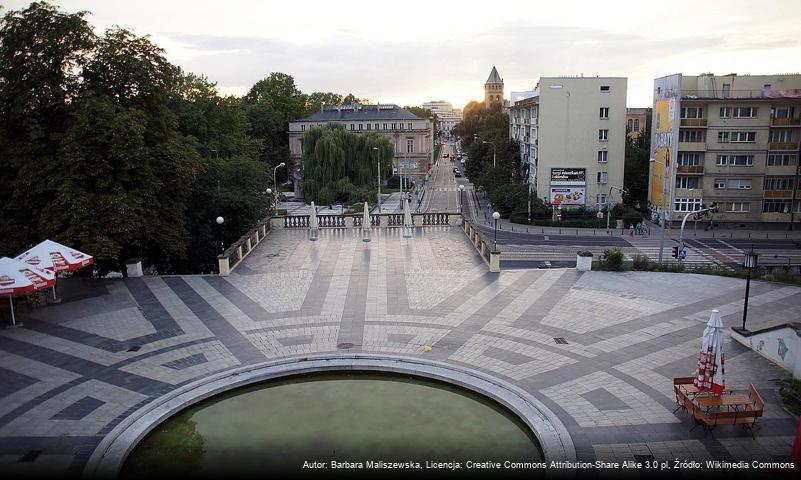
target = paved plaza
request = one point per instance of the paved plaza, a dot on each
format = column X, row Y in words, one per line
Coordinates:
column 76, row 370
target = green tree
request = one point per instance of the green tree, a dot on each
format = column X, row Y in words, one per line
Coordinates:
column 314, row 101
column 636, row 165
column 41, row 48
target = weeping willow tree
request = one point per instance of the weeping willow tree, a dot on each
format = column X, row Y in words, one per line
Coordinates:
column 337, row 164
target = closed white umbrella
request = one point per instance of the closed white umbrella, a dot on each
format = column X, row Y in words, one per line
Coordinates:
column 313, row 224
column 407, row 220
column 365, row 224
column 19, row 278
column 709, row 376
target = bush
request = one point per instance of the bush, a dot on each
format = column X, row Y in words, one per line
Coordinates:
column 509, row 198
column 641, row 262
column 612, row 259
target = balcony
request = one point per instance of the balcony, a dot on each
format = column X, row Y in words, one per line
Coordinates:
column 778, row 193
column 690, row 169
column 760, row 93
column 783, row 146
column 785, row 122
column 693, row 122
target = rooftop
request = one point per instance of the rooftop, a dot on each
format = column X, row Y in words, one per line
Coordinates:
column 360, row 112
column 494, row 77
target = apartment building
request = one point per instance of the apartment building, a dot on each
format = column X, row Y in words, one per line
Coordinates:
column 411, row 135
column 734, row 141
column 572, row 134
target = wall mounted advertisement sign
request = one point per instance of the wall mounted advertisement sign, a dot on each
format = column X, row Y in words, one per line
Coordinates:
column 568, row 176
column 568, row 195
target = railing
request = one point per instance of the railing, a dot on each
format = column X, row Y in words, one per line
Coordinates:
column 376, row 220
column 778, row 193
column 240, row 249
column 487, row 250
column 693, row 122
column 690, row 169
column 754, row 93
column 785, row 122
column 782, row 146
column 296, row 221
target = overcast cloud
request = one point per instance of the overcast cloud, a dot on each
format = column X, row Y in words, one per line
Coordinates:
column 415, row 51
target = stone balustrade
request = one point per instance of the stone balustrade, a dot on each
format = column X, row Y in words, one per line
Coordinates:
column 240, row 249
column 485, row 248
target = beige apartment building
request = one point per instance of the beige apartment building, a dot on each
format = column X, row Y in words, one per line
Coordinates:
column 737, row 146
column 572, row 134
column 412, row 136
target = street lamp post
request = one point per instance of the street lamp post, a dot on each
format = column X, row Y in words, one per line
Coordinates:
column 609, row 203
column 275, row 180
column 749, row 262
column 375, row 149
column 220, row 221
column 269, row 193
column 461, row 199
column 495, row 216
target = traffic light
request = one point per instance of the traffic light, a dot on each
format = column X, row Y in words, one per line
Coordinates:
column 676, row 251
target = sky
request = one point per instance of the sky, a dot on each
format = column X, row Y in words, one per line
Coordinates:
column 410, row 51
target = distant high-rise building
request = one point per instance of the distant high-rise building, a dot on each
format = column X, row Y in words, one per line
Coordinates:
column 447, row 116
column 729, row 139
column 493, row 88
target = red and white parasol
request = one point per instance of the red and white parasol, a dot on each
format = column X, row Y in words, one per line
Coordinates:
column 55, row 257
column 709, row 376
column 19, row 278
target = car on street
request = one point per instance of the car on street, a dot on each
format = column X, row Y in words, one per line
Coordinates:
column 445, row 155
column 456, row 172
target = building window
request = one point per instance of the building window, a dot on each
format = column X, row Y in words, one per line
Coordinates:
column 745, row 112
column 303, row 128
column 605, row 88
column 687, row 204
column 776, row 206
column 636, row 124
column 779, row 183
column 368, row 126
column 739, row 183
column 743, row 137
column 780, row 136
column 604, row 112
column 725, row 112
column 691, row 136
column 722, row 160
column 783, row 112
column 687, row 182
column 689, row 158
column 720, row 184
column 630, row 125
column 409, row 145
column 781, row 159
column 737, row 207
column 394, row 126
column 723, row 137
column 401, row 127
column 409, row 126
column 741, row 160
column 692, row 112
column 351, row 126
column 603, row 156
column 360, row 127
column 602, row 177
column 385, row 127
column 603, row 134
column 601, row 199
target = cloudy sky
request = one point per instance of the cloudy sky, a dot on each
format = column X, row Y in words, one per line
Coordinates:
column 410, row 51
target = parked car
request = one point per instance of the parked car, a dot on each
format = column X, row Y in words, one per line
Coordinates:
column 457, row 173
column 445, row 155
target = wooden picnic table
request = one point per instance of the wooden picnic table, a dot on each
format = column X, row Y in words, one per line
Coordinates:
column 692, row 390
column 734, row 400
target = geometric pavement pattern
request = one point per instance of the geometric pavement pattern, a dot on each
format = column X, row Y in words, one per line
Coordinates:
column 76, row 369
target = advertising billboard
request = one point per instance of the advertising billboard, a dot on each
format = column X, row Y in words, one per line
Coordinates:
column 664, row 141
column 568, row 176
column 568, row 195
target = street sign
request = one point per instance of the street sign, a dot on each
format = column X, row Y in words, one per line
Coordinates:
column 682, row 254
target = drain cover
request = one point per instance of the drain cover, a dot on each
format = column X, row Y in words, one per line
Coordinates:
column 134, row 348
column 344, row 346
column 560, row 340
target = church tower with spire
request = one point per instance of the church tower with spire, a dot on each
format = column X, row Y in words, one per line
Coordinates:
column 493, row 89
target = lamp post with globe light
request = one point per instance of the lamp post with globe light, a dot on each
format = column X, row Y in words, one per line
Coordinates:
column 275, row 180
column 269, row 193
column 495, row 216
column 749, row 263
column 461, row 199
column 220, row 221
